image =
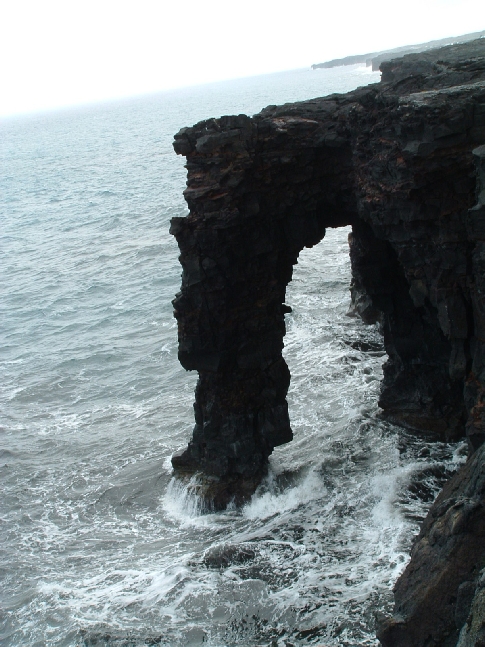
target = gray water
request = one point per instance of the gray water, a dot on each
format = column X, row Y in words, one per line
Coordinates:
column 99, row 545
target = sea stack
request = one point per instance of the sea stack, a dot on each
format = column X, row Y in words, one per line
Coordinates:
column 403, row 163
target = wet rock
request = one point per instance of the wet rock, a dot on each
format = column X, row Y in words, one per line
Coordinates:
column 366, row 346
column 213, row 492
column 472, row 632
column 403, row 163
column 228, row 554
column 115, row 638
column 434, row 595
column 464, row 598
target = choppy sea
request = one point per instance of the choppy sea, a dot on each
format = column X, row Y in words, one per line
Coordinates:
column 98, row 544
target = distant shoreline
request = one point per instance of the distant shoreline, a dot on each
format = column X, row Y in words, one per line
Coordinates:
column 374, row 59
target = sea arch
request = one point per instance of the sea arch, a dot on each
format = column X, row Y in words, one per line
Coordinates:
column 261, row 189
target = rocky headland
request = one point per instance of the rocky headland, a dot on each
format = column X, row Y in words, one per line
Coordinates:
column 374, row 59
column 403, row 163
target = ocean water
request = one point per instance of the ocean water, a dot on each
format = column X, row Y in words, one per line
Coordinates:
column 99, row 545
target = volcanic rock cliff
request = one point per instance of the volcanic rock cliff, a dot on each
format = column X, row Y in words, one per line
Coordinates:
column 375, row 59
column 403, row 163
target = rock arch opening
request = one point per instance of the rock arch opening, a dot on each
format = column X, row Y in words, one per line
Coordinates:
column 334, row 358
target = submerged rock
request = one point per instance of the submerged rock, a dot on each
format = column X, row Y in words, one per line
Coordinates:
column 225, row 555
column 215, row 493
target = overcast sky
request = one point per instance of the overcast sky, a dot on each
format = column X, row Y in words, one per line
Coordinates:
column 62, row 52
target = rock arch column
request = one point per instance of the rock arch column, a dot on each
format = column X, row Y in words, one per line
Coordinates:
column 255, row 197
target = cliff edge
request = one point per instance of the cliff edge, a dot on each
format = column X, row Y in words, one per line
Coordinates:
column 403, row 163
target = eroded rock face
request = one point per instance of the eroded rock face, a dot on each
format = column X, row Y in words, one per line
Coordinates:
column 397, row 164
column 440, row 596
column 403, row 162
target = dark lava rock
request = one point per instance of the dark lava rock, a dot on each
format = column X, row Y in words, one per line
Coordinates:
column 403, row 163
column 473, row 630
column 434, row 594
column 365, row 346
column 376, row 59
column 397, row 164
column 216, row 493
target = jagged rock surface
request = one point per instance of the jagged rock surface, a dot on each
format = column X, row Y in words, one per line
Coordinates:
column 403, row 162
column 440, row 596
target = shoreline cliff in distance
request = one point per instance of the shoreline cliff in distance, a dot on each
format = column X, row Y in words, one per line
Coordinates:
column 374, row 59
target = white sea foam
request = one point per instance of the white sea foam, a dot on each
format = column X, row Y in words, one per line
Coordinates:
column 182, row 503
column 95, row 534
column 274, row 502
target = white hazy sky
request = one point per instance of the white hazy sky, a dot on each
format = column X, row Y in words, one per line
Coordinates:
column 60, row 52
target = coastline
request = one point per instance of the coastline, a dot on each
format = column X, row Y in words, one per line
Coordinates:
column 402, row 162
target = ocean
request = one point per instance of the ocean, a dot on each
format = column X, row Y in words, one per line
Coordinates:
column 99, row 544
